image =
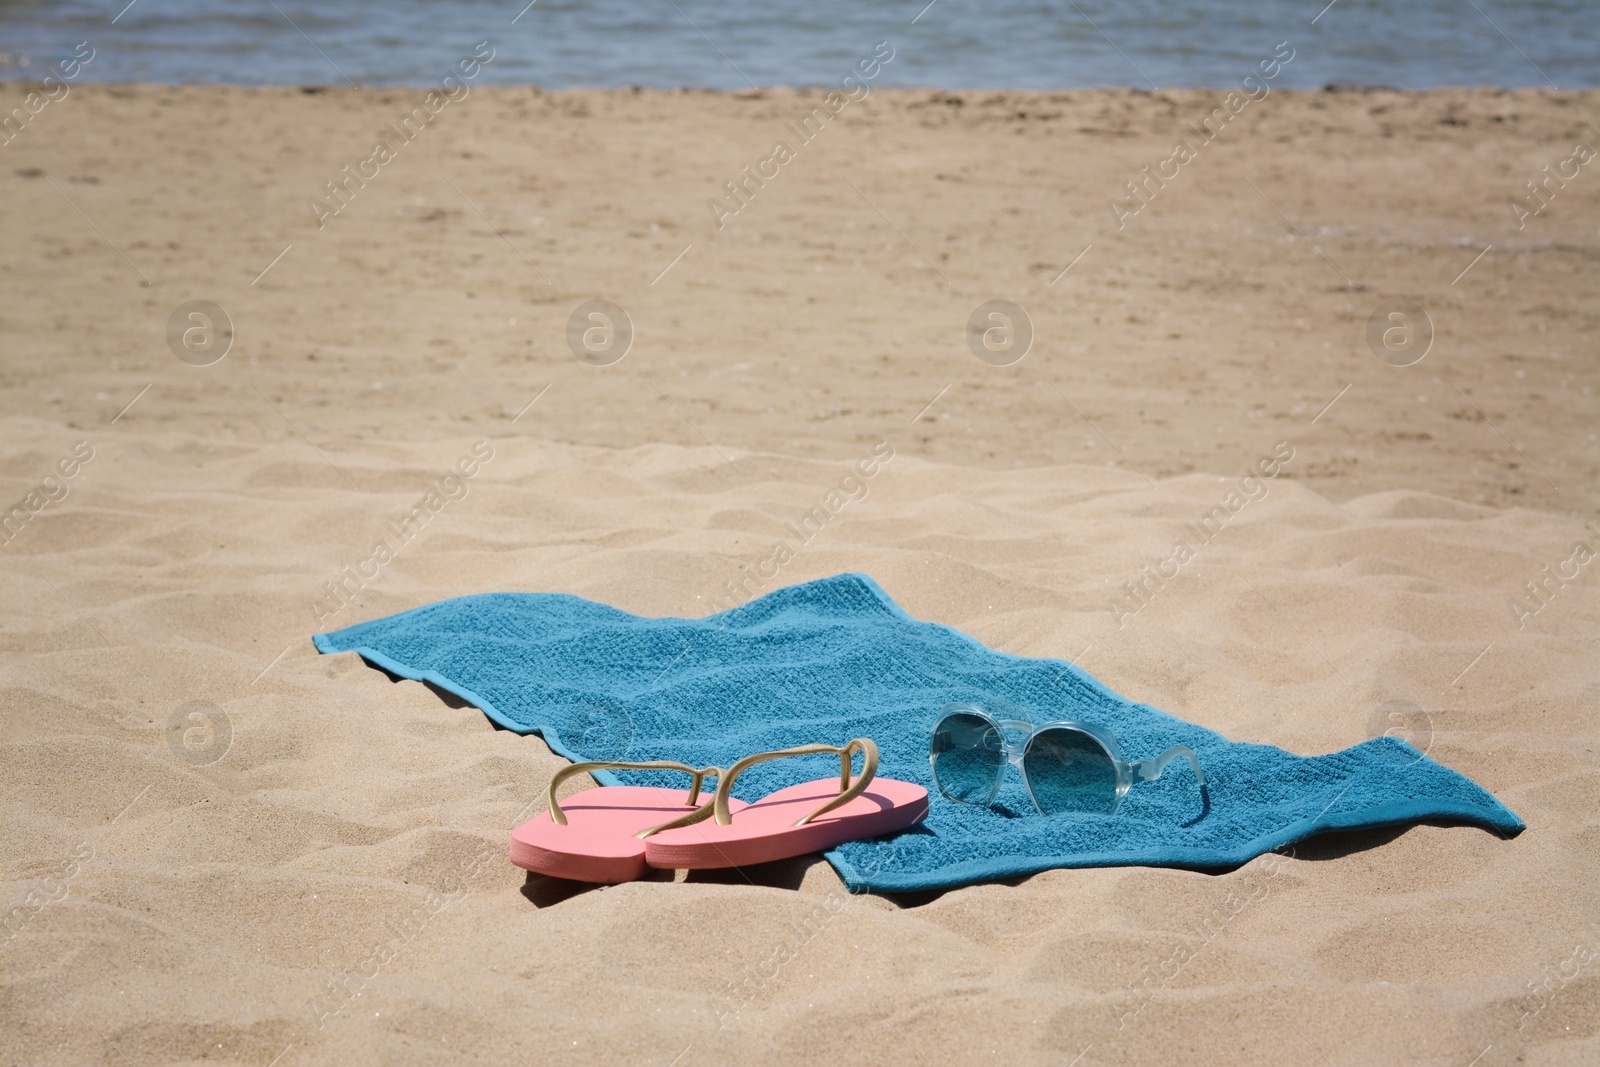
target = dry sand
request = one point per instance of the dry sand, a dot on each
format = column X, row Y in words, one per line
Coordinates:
column 324, row 881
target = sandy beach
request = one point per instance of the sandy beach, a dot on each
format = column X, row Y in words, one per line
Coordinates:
column 222, row 847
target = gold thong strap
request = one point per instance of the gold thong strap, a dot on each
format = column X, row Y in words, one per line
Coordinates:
column 700, row 813
column 847, row 791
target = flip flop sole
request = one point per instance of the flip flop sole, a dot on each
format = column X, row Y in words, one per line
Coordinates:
column 597, row 843
column 765, row 831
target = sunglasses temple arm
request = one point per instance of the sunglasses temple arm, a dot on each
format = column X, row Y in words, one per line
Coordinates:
column 1148, row 770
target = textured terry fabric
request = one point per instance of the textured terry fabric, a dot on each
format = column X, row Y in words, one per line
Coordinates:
column 830, row 660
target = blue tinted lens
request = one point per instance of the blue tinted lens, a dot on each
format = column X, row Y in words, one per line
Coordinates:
column 968, row 755
column 1069, row 771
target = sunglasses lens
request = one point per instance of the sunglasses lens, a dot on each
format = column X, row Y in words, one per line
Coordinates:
column 1069, row 771
column 968, row 756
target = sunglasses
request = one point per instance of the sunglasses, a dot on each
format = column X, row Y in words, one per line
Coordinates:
column 1066, row 766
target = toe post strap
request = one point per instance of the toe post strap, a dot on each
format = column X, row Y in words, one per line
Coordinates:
column 698, row 775
column 848, row 791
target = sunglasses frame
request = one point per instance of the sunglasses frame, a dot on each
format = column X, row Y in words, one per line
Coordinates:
column 1145, row 770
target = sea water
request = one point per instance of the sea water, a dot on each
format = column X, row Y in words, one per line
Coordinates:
column 738, row 44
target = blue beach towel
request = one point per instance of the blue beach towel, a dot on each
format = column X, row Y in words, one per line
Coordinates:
column 834, row 659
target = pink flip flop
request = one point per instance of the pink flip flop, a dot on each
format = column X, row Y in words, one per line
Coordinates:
column 598, row 835
column 810, row 817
